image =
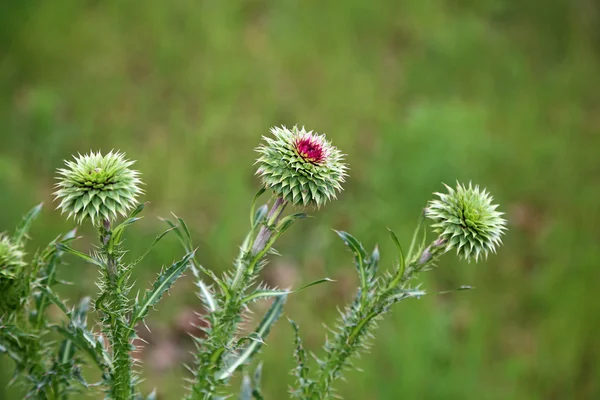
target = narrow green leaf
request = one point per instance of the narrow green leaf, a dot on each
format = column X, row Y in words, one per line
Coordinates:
column 401, row 259
column 262, row 331
column 186, row 242
column 246, row 391
column 163, row 282
column 69, row 250
column 85, row 341
column 458, row 289
column 149, row 249
column 253, row 216
column 186, row 231
column 360, row 256
column 413, row 242
column 78, row 317
column 266, row 293
column 117, row 233
column 54, row 299
column 23, row 227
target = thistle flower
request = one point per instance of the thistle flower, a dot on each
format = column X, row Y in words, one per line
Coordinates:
column 466, row 220
column 301, row 167
column 97, row 187
column 11, row 257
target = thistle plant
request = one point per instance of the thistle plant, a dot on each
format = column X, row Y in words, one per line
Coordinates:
column 464, row 219
column 302, row 169
column 298, row 168
column 45, row 370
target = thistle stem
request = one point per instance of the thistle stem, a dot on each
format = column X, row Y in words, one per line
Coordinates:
column 224, row 322
column 115, row 321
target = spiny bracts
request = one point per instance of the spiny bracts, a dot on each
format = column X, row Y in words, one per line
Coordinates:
column 301, row 167
column 98, row 187
column 467, row 221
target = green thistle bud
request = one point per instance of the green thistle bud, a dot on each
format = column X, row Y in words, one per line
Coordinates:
column 301, row 167
column 11, row 257
column 98, row 187
column 466, row 220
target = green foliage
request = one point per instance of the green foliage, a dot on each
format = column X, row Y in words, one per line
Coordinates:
column 416, row 93
column 44, row 370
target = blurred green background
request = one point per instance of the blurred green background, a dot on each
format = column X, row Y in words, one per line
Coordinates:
column 416, row 92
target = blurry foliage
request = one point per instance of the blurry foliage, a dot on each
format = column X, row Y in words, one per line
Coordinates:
column 504, row 93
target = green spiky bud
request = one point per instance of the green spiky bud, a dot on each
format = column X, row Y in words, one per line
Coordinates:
column 11, row 257
column 12, row 288
column 467, row 221
column 301, row 167
column 98, row 187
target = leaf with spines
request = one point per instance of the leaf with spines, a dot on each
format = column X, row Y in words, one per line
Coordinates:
column 183, row 234
column 163, row 282
column 263, row 329
column 266, row 293
column 302, row 370
column 23, row 228
column 366, row 269
column 69, row 250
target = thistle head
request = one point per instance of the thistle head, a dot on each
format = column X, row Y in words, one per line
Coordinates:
column 301, row 167
column 467, row 221
column 11, row 257
column 97, row 187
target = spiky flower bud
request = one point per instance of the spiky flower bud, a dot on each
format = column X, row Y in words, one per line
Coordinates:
column 11, row 257
column 467, row 221
column 98, row 187
column 301, row 167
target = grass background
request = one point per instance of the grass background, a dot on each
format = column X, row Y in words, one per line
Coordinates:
column 416, row 92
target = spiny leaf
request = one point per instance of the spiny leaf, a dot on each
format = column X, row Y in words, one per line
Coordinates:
column 78, row 316
column 302, row 370
column 84, row 340
column 262, row 331
column 163, row 282
column 23, row 228
column 266, row 293
column 69, row 250
column 186, row 242
column 54, row 299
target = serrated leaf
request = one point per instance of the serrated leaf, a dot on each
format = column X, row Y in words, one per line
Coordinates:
column 163, row 282
column 269, row 319
column 25, row 224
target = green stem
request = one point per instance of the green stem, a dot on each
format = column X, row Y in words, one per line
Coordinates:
column 115, row 322
column 225, row 321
